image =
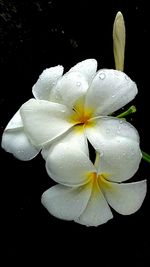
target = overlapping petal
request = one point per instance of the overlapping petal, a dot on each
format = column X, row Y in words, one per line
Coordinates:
column 46, row 81
column 15, row 122
column 73, row 139
column 69, row 165
column 65, row 202
column 97, row 210
column 87, row 67
column 70, row 88
column 125, row 198
column 109, row 91
column 44, row 121
column 118, row 144
column 15, row 141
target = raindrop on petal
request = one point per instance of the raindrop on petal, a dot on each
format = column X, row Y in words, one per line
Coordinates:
column 78, row 84
column 126, row 77
column 107, row 131
column 102, row 75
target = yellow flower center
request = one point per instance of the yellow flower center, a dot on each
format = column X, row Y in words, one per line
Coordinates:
column 82, row 116
column 98, row 181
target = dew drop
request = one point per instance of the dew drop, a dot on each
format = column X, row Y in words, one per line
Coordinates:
column 107, row 131
column 121, row 121
column 102, row 75
column 101, row 154
column 78, row 84
column 126, row 77
column 113, row 96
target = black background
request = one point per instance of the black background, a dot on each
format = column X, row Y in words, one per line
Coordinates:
column 38, row 34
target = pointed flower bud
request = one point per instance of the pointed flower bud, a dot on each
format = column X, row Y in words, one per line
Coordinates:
column 119, row 41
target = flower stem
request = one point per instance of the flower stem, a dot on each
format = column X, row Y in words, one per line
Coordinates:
column 146, row 156
column 131, row 110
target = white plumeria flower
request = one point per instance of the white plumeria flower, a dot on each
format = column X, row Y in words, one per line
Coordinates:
column 85, row 191
column 81, row 97
column 79, row 100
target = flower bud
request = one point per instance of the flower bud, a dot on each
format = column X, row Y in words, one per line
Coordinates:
column 119, row 41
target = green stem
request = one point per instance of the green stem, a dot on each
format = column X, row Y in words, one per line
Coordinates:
column 146, row 156
column 131, row 110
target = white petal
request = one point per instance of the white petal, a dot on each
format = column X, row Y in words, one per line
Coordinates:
column 70, row 88
column 97, row 211
column 68, row 165
column 15, row 142
column 44, row 121
column 118, row 144
column 126, row 198
column 87, row 67
column 65, row 202
column 15, row 122
column 46, row 81
column 73, row 139
column 110, row 90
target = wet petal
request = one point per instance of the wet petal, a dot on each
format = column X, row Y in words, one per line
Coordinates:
column 44, row 121
column 69, row 165
column 15, row 122
column 72, row 139
column 65, row 202
column 16, row 142
column 110, row 90
column 70, row 88
column 118, row 144
column 97, row 211
column 87, row 67
column 125, row 198
column 46, row 81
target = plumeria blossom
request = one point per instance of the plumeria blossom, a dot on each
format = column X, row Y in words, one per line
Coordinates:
column 79, row 101
column 85, row 191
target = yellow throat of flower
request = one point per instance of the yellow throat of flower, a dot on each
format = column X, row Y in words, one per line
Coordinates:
column 98, row 181
column 82, row 116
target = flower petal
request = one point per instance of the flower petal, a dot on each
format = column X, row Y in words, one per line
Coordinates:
column 15, row 122
column 118, row 144
column 97, row 211
column 46, row 81
column 125, row 198
column 65, row 202
column 16, row 142
column 72, row 139
column 44, row 121
column 87, row 67
column 110, row 90
column 68, row 165
column 70, row 88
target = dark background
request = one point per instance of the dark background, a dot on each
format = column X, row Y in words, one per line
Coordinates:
column 38, row 34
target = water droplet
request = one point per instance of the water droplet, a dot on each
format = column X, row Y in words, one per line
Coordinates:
column 121, row 121
column 101, row 154
column 113, row 96
column 119, row 128
column 78, row 84
column 102, row 75
column 126, row 77
column 107, row 131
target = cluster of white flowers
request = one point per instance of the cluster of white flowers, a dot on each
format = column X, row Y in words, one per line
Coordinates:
column 66, row 113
